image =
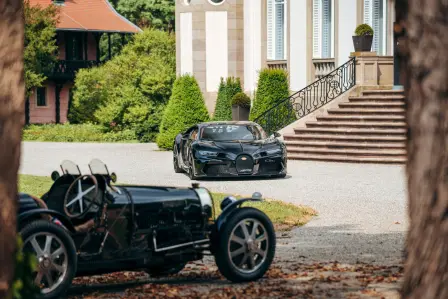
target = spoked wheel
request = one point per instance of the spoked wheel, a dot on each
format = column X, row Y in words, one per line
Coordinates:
column 165, row 270
column 56, row 255
column 246, row 246
column 177, row 169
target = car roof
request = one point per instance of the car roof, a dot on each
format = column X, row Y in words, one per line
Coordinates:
column 211, row 123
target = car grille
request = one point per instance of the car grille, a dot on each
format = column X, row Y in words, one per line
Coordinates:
column 244, row 164
column 219, row 169
column 271, row 167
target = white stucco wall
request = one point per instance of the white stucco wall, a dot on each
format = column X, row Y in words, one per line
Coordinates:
column 346, row 28
column 216, row 48
column 252, row 43
column 298, row 45
column 186, row 43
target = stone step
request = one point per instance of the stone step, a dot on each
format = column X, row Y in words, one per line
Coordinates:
column 349, row 131
column 344, row 144
column 373, row 105
column 389, row 92
column 352, row 124
column 344, row 158
column 362, row 118
column 361, row 111
column 345, row 138
column 349, row 152
column 380, row 99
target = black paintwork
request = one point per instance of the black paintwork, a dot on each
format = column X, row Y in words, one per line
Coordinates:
column 264, row 157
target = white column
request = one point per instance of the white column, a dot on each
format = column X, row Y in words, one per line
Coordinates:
column 216, row 48
column 186, row 43
column 252, row 43
column 346, row 29
column 298, row 44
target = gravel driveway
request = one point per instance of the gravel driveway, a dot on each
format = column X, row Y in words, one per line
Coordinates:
column 362, row 207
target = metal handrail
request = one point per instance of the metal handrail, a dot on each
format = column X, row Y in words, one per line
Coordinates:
column 310, row 98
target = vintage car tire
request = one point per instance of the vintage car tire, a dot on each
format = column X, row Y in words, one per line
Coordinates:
column 177, row 169
column 224, row 262
column 43, row 226
column 165, row 270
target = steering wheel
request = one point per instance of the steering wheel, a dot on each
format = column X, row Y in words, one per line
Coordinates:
column 81, row 203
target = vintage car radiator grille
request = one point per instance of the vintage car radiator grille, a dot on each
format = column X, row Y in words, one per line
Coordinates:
column 244, row 164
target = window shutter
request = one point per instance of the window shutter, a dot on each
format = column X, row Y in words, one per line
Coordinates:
column 270, row 25
column 317, row 21
column 326, row 29
column 374, row 15
column 279, row 29
column 368, row 12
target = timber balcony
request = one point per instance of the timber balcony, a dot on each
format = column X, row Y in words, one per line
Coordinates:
column 66, row 69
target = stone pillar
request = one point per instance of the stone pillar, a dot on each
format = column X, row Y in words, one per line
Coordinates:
column 210, row 42
column 373, row 71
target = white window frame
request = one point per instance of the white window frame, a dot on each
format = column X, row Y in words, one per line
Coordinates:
column 271, row 30
column 368, row 19
column 317, row 29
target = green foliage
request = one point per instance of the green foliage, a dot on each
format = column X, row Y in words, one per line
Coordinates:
column 75, row 133
column 241, row 99
column 40, row 43
column 363, row 29
column 227, row 90
column 185, row 109
column 156, row 14
column 273, row 87
column 131, row 90
column 26, row 263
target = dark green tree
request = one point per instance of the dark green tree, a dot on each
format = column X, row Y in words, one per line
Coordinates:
column 185, row 109
column 40, row 43
column 227, row 90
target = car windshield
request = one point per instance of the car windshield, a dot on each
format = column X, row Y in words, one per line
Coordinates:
column 232, row 132
column 68, row 167
column 98, row 167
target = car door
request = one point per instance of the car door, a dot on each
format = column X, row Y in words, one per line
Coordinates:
column 183, row 145
column 189, row 140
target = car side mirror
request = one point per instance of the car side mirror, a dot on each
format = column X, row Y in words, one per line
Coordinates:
column 113, row 177
column 55, row 175
column 277, row 134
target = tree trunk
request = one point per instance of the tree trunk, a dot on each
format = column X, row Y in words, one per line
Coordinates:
column 12, row 96
column 425, row 78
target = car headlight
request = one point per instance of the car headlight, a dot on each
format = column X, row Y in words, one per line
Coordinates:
column 206, row 201
column 276, row 151
column 208, row 153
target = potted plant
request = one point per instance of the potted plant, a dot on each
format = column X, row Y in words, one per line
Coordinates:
column 240, row 106
column 362, row 41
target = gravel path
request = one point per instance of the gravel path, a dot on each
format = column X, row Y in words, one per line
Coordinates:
column 362, row 207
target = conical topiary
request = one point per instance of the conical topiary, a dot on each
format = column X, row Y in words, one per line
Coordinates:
column 227, row 90
column 185, row 108
column 273, row 87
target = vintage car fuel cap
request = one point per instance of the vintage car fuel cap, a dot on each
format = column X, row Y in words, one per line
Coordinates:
column 195, row 185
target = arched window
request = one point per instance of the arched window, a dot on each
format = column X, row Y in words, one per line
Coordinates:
column 276, row 13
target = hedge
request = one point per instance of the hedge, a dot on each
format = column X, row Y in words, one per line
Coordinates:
column 227, row 90
column 185, row 108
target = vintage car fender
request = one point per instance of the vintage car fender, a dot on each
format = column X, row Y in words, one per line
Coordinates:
column 28, row 215
column 227, row 211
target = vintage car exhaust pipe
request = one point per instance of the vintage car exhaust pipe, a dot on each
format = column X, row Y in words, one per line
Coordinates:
column 176, row 246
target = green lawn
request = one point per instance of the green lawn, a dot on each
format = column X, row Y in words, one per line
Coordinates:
column 284, row 215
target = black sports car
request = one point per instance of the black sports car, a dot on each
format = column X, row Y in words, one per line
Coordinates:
column 84, row 225
column 229, row 149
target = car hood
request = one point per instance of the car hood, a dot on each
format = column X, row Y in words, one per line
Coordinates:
column 237, row 147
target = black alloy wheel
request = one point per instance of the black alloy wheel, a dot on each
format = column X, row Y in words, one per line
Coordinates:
column 246, row 245
column 191, row 168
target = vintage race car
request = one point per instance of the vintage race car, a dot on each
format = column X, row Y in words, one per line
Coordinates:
column 229, row 149
column 86, row 225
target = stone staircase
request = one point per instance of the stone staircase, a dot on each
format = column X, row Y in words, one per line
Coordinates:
column 367, row 129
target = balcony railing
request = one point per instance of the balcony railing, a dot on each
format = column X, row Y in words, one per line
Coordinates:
column 322, row 67
column 278, row 64
column 66, row 69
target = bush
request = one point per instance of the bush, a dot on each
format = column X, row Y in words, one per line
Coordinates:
column 185, row 109
column 363, row 29
column 227, row 90
column 272, row 88
column 75, row 133
column 241, row 99
column 131, row 90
